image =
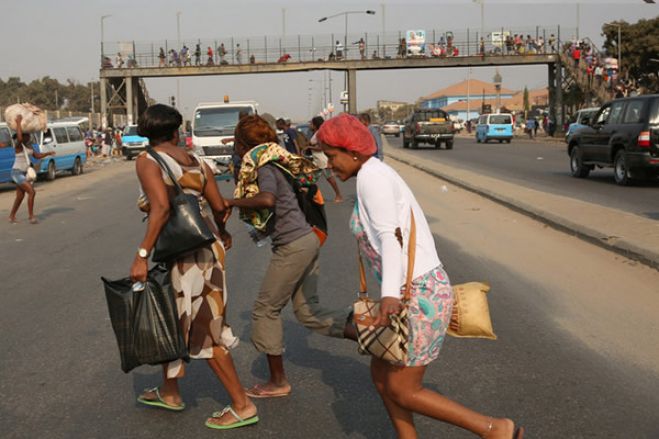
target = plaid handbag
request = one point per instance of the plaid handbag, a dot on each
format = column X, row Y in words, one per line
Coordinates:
column 388, row 343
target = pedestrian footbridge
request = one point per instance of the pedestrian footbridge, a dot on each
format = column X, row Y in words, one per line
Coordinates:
column 125, row 65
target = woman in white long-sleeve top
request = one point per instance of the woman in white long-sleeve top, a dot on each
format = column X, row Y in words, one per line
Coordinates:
column 381, row 222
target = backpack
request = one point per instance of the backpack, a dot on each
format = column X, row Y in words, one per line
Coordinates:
column 311, row 203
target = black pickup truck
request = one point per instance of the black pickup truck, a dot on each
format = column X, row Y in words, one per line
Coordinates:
column 623, row 134
column 430, row 126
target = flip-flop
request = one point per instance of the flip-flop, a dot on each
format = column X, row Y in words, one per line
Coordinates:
column 519, row 433
column 239, row 423
column 257, row 392
column 160, row 403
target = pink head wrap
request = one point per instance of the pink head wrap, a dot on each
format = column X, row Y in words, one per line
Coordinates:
column 347, row 132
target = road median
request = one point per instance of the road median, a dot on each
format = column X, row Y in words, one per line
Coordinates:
column 630, row 235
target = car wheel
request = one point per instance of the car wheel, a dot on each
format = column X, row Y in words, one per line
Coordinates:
column 577, row 168
column 507, row 140
column 406, row 143
column 620, row 171
column 77, row 167
column 415, row 144
column 500, row 140
column 449, row 144
column 51, row 172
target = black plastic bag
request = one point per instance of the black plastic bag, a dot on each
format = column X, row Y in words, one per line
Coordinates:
column 145, row 322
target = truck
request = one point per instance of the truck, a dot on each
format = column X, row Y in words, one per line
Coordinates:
column 431, row 126
column 213, row 125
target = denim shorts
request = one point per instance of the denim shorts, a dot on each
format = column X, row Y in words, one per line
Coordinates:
column 18, row 176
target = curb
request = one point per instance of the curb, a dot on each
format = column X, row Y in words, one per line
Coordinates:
column 619, row 246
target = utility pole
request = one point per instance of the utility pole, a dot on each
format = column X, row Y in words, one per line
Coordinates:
column 384, row 32
column 91, row 86
column 178, row 49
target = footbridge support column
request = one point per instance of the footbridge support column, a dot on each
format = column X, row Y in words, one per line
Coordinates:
column 352, row 91
column 104, row 103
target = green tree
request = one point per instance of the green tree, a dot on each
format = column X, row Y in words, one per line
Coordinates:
column 50, row 94
column 527, row 104
column 639, row 49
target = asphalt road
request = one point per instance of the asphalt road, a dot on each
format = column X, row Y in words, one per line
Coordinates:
column 543, row 166
column 576, row 355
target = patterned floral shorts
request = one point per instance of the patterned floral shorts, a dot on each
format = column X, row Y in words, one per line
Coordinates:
column 429, row 314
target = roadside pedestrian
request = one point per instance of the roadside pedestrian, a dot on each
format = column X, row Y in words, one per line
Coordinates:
column 365, row 118
column 289, row 137
column 381, row 221
column 222, row 52
column 599, row 72
column 293, row 272
column 185, row 55
column 106, row 146
column 119, row 60
column 116, row 151
column 576, row 56
column 338, row 48
column 161, row 57
column 552, row 43
column 22, row 152
column 530, row 126
column 535, row 127
column 320, row 159
column 209, row 53
column 239, row 54
column 362, row 48
column 481, row 47
column 197, row 278
column 197, row 55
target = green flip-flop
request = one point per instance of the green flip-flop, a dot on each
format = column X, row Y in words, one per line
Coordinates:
column 159, row 402
column 239, row 423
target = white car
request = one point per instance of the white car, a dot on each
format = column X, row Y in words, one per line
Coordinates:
column 391, row 128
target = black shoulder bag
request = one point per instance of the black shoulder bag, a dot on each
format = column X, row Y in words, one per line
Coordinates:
column 185, row 230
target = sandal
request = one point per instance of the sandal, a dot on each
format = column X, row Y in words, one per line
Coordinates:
column 240, row 422
column 159, row 402
column 519, row 433
column 256, row 391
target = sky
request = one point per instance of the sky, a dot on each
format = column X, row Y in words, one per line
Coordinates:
column 65, row 43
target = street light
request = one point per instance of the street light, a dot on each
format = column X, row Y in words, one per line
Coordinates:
column 103, row 17
column 619, row 58
column 345, row 14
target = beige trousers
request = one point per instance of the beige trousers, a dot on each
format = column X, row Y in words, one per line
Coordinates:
column 293, row 276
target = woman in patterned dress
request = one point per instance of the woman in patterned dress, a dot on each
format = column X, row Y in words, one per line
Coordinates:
column 381, row 222
column 197, row 278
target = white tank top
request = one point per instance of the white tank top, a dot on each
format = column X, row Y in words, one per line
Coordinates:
column 20, row 162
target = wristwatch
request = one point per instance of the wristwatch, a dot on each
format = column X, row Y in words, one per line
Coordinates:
column 142, row 253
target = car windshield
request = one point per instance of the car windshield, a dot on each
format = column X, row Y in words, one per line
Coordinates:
column 221, row 121
column 427, row 115
column 500, row 119
column 130, row 130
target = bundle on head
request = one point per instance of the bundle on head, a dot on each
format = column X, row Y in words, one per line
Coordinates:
column 34, row 119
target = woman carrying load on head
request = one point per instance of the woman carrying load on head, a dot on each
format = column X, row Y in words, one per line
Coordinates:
column 381, row 221
column 23, row 150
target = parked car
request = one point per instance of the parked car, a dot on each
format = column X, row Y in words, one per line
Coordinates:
column 579, row 117
column 67, row 141
column 431, row 126
column 494, row 127
column 623, row 134
column 391, row 128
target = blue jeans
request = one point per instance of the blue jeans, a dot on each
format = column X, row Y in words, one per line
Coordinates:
column 18, row 176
